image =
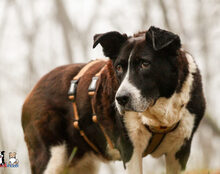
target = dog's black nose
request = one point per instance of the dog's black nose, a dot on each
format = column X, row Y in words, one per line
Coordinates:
column 123, row 99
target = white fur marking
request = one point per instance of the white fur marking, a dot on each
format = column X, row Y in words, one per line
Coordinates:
column 172, row 164
column 135, row 164
column 139, row 137
column 57, row 160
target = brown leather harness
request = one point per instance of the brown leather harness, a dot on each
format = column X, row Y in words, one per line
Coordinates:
column 158, row 133
column 91, row 92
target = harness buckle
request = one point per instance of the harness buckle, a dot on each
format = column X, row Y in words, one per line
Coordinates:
column 92, row 86
column 72, row 89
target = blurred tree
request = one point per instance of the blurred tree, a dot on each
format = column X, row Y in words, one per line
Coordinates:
column 71, row 32
column 29, row 35
column 165, row 14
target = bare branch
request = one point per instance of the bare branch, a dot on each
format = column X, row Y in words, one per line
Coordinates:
column 67, row 28
column 145, row 4
column 165, row 15
column 3, row 20
column 179, row 16
column 30, row 37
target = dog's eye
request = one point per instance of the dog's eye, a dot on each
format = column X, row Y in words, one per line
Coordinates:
column 145, row 64
column 119, row 69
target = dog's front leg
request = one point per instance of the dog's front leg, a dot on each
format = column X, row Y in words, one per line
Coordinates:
column 134, row 166
column 172, row 164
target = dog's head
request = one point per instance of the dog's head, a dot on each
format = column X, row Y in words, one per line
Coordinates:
column 146, row 66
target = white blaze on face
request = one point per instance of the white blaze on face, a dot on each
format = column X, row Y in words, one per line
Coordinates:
column 136, row 101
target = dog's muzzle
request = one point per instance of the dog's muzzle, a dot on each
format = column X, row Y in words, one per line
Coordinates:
column 123, row 102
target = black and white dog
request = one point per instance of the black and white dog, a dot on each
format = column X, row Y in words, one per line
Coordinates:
column 160, row 86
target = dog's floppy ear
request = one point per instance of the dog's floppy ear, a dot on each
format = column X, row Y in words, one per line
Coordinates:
column 162, row 39
column 111, row 43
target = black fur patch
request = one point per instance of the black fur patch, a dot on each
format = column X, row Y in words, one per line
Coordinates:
column 183, row 154
column 197, row 104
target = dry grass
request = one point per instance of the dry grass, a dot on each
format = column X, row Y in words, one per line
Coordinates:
column 205, row 171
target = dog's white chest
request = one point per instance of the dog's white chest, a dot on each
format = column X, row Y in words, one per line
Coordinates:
column 140, row 136
column 136, row 130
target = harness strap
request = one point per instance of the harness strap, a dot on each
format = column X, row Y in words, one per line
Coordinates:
column 91, row 92
column 158, row 134
column 72, row 93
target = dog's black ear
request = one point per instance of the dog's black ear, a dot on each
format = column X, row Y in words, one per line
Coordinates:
column 162, row 39
column 111, row 43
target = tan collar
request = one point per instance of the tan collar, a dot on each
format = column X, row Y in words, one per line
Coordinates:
column 162, row 129
column 158, row 134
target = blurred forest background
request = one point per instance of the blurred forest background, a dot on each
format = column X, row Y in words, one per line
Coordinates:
column 39, row 35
